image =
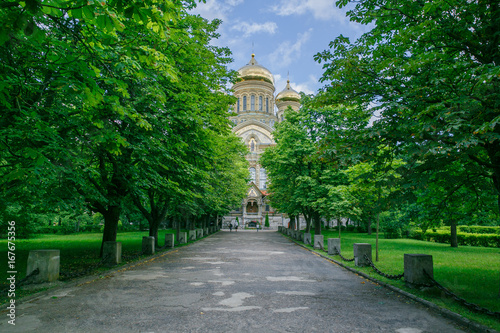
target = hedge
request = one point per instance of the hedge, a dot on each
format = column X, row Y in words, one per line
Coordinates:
column 472, row 239
column 478, row 229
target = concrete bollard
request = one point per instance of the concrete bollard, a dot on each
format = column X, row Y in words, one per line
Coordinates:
column 169, row 241
column 192, row 235
column 307, row 239
column 319, row 242
column 414, row 266
column 148, row 245
column 360, row 250
column 199, row 233
column 333, row 246
column 182, row 237
column 47, row 262
column 300, row 236
column 112, row 253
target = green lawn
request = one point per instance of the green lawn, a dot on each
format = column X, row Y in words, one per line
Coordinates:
column 473, row 273
column 78, row 251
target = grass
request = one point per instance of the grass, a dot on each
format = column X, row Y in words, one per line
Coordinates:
column 470, row 272
column 77, row 251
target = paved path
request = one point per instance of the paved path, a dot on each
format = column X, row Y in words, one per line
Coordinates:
column 229, row 282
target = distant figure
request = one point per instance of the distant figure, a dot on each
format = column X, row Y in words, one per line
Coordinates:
column 230, row 226
column 236, row 226
column 258, row 226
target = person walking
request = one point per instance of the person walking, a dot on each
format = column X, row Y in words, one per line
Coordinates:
column 236, row 226
column 230, row 226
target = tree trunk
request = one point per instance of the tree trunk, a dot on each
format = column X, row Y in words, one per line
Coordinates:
column 376, row 237
column 153, row 231
column 369, row 225
column 308, row 223
column 317, row 223
column 177, row 224
column 339, row 224
column 111, row 218
column 453, row 231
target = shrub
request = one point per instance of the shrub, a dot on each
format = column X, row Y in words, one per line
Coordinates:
column 464, row 239
column 474, row 229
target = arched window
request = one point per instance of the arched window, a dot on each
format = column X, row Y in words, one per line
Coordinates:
column 267, row 104
column 238, row 105
column 252, row 174
column 252, row 103
column 262, row 179
column 260, row 103
column 244, row 103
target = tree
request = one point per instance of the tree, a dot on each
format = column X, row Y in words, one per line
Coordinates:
column 301, row 179
column 428, row 73
column 372, row 185
column 87, row 92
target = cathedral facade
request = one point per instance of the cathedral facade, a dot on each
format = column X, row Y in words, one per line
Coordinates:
column 255, row 114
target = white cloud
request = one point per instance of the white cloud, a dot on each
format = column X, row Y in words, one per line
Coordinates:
column 213, row 9
column 321, row 9
column 286, row 52
column 253, row 28
column 234, row 2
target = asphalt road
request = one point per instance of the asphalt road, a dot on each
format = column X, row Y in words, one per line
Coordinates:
column 228, row 282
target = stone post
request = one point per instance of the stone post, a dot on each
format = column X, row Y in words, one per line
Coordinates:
column 300, row 236
column 148, row 245
column 414, row 266
column 205, row 232
column 169, row 241
column 182, row 237
column 333, row 246
column 112, row 253
column 192, row 235
column 47, row 262
column 360, row 250
column 199, row 233
column 318, row 242
column 307, row 239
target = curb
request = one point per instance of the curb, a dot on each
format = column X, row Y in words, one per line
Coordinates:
column 469, row 324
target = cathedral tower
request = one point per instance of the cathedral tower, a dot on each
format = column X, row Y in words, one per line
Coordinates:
column 255, row 114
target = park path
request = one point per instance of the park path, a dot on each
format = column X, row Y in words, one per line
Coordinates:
column 228, row 282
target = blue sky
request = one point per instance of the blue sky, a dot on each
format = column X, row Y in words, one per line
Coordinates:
column 285, row 34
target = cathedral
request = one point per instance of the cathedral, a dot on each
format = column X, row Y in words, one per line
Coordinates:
column 254, row 116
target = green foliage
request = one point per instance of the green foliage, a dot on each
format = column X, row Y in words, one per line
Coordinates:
column 463, row 238
column 474, row 229
column 431, row 94
column 104, row 101
column 266, row 221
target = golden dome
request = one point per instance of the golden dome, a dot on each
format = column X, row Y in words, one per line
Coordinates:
column 254, row 71
column 288, row 94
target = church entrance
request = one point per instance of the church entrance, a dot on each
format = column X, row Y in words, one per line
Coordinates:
column 252, row 208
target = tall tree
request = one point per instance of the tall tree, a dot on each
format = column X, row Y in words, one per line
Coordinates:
column 428, row 73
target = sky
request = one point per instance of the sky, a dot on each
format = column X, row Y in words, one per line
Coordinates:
column 284, row 35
